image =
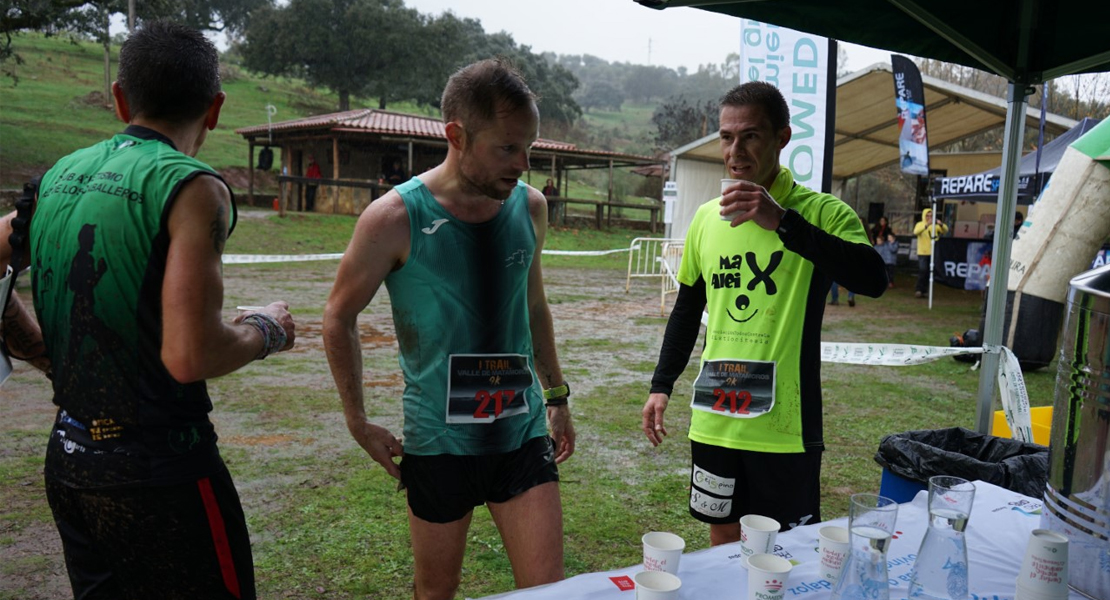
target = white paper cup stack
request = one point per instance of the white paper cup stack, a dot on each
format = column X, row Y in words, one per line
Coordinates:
column 757, row 536
column 1044, row 571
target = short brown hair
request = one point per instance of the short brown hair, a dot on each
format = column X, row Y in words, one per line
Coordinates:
column 762, row 94
column 168, row 72
column 477, row 92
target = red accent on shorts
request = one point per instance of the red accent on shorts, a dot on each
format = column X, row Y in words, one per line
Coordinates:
column 219, row 536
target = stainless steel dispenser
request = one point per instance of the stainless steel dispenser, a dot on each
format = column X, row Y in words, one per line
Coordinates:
column 1077, row 499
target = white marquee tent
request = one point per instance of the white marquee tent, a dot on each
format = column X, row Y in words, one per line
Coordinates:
column 865, row 136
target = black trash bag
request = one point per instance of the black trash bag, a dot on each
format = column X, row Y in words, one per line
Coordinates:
column 919, row 455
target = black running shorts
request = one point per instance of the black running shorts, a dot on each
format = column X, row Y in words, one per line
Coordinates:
column 726, row 484
column 443, row 488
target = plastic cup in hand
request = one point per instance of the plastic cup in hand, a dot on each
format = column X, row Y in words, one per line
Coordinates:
column 1044, row 571
column 656, row 585
column 832, row 548
column 662, row 551
column 757, row 536
column 767, row 575
column 870, row 528
column 725, row 183
column 940, row 569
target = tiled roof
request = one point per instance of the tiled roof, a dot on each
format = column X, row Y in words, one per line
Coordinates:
column 391, row 123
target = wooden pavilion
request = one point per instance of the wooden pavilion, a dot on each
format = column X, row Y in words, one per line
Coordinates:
column 357, row 149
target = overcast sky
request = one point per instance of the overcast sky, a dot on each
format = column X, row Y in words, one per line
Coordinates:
column 617, row 30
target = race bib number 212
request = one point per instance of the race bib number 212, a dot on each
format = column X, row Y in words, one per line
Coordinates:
column 741, row 389
column 485, row 387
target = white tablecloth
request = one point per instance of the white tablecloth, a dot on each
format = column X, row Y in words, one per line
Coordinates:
column 997, row 534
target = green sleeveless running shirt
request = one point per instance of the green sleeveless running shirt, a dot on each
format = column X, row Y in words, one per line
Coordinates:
column 99, row 242
column 460, row 307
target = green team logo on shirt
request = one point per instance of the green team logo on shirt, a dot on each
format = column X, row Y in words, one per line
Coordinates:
column 732, row 275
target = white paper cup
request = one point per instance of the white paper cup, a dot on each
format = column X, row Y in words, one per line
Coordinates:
column 757, row 535
column 832, row 548
column 248, row 309
column 724, row 184
column 767, row 576
column 656, row 585
column 662, row 551
column 1025, row 594
column 1044, row 571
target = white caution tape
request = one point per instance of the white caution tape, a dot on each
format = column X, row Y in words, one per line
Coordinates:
column 1015, row 398
column 1011, row 385
column 237, row 259
column 583, row 252
column 891, row 355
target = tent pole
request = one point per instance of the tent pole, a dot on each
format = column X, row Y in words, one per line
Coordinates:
column 1000, row 254
column 932, row 229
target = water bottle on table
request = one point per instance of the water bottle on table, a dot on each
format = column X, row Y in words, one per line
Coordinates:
column 940, row 569
column 870, row 528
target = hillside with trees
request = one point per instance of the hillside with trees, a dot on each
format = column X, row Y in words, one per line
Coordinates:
column 310, row 57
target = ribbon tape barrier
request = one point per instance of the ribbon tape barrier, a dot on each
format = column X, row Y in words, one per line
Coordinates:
column 239, row 259
column 1011, row 385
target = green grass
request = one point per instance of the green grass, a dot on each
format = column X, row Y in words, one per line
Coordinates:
column 58, row 106
column 630, row 117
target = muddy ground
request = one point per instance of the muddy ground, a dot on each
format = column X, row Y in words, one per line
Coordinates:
column 600, row 330
column 281, row 426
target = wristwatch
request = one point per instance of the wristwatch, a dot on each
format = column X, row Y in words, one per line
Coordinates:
column 788, row 223
column 557, row 396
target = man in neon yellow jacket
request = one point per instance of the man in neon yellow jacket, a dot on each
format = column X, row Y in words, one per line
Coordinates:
column 926, row 230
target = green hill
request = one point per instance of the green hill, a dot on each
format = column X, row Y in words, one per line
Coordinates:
column 58, row 105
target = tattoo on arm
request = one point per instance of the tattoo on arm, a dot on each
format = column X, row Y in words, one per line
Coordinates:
column 219, row 231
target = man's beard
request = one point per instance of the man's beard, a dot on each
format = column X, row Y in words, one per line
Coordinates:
column 488, row 188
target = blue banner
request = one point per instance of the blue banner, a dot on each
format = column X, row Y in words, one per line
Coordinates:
column 909, row 98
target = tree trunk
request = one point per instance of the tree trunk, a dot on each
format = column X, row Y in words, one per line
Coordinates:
column 381, row 102
column 344, row 100
column 107, row 37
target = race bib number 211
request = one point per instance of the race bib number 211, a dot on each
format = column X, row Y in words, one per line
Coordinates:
column 485, row 387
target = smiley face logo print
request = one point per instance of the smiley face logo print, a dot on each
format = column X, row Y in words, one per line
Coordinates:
column 750, row 279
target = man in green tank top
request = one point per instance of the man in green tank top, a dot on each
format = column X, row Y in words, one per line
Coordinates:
column 458, row 248
column 125, row 243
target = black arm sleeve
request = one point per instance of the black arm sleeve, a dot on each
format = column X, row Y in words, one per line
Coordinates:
column 680, row 337
column 857, row 267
